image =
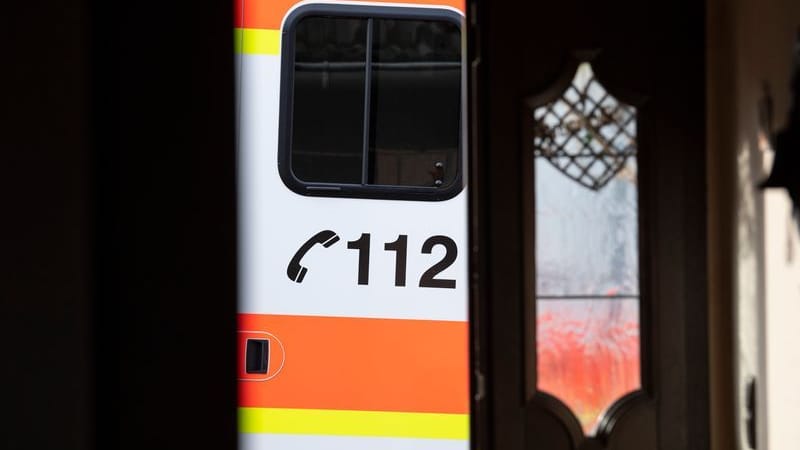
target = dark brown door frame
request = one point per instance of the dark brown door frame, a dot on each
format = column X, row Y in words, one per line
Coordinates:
column 666, row 43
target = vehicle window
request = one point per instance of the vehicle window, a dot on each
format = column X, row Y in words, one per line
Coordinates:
column 372, row 105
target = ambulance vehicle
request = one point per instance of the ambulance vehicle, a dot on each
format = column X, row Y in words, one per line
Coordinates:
column 352, row 317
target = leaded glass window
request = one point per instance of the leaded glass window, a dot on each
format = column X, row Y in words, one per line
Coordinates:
column 587, row 252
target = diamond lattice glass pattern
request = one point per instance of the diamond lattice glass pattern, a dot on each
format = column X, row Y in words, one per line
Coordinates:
column 587, row 133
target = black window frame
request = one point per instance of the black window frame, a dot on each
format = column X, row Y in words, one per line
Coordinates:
column 369, row 191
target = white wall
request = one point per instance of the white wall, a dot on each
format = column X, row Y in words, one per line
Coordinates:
column 767, row 248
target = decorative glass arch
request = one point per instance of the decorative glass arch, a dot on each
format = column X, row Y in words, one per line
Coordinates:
column 586, row 133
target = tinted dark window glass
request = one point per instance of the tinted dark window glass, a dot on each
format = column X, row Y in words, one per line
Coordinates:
column 415, row 103
column 372, row 103
column 328, row 103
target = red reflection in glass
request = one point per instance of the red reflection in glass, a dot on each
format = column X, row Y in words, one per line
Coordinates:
column 588, row 353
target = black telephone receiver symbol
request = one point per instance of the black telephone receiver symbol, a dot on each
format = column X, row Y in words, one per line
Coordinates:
column 295, row 271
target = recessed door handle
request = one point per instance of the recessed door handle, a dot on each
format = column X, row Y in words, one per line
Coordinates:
column 257, row 356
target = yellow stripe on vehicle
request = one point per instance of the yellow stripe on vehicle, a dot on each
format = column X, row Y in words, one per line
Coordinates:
column 254, row 41
column 354, row 423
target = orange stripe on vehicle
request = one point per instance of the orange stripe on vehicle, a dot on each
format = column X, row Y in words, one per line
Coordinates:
column 359, row 364
column 269, row 14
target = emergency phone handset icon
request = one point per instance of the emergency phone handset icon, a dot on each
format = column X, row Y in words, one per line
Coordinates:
column 295, row 271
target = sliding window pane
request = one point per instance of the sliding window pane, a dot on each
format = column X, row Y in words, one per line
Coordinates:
column 328, row 104
column 416, row 103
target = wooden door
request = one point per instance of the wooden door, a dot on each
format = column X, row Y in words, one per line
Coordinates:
column 650, row 57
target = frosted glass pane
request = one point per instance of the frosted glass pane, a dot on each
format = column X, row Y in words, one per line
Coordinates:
column 586, row 241
column 588, row 353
